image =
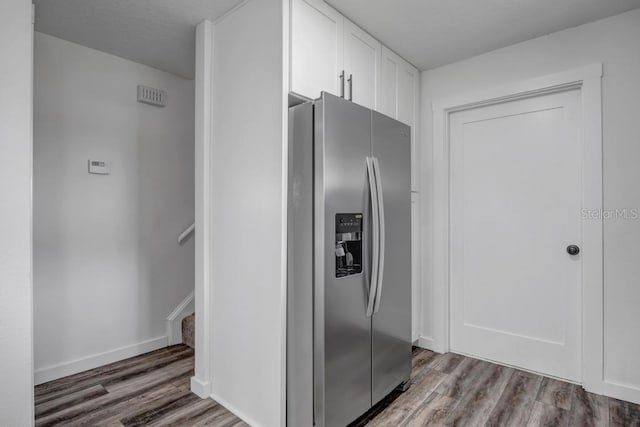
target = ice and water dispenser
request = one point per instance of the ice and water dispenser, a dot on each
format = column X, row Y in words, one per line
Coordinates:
column 348, row 244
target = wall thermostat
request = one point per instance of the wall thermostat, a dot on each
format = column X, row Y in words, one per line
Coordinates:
column 99, row 167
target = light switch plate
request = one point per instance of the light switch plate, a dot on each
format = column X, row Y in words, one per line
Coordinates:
column 99, row 167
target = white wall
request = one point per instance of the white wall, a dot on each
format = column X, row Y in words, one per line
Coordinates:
column 108, row 268
column 615, row 42
column 248, row 280
column 16, row 331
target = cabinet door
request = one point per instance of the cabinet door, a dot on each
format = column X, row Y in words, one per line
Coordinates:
column 362, row 64
column 316, row 48
column 407, row 93
column 387, row 99
column 408, row 112
column 407, row 108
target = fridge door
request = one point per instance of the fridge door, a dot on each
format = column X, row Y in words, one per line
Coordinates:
column 300, row 267
column 391, row 325
column 342, row 330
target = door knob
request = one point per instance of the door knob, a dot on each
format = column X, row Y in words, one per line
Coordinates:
column 573, row 250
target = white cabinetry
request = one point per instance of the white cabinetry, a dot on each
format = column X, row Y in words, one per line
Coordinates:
column 361, row 64
column 398, row 89
column 316, row 48
column 388, row 83
column 408, row 87
column 330, row 53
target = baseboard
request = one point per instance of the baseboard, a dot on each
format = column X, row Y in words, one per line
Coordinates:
column 201, row 388
column 231, row 408
column 621, row 391
column 427, row 343
column 174, row 320
column 49, row 373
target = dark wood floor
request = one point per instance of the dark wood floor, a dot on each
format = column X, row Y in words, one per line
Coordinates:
column 148, row 390
column 153, row 390
column 453, row 390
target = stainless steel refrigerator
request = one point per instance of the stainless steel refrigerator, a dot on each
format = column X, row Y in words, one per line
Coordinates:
column 349, row 261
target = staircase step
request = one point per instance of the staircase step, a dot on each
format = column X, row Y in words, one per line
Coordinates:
column 189, row 330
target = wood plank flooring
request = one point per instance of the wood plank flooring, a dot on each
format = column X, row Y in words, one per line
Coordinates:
column 453, row 390
column 148, row 390
column 447, row 390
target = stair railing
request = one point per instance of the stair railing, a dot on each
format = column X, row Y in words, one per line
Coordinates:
column 186, row 233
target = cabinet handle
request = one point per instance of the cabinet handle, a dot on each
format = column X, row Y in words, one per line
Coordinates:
column 341, row 84
column 350, row 80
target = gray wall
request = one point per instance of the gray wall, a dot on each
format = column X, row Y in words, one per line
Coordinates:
column 108, row 268
column 615, row 42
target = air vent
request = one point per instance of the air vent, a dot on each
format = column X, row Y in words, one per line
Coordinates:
column 152, row 96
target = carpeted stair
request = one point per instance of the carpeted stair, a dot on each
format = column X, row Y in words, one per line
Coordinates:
column 189, row 330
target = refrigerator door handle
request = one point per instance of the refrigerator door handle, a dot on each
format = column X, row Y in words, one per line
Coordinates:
column 375, row 227
column 381, row 233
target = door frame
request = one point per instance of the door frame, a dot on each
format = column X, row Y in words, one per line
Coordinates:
column 588, row 80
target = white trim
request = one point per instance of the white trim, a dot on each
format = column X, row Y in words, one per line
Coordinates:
column 235, row 411
column 200, row 388
column 620, row 391
column 593, row 236
column 517, row 90
column 174, row 320
column 588, row 79
column 53, row 372
column 230, row 12
column 426, row 342
column 416, row 197
column 203, row 142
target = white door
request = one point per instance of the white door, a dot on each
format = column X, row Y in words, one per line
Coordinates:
column 316, row 48
column 515, row 194
column 362, row 65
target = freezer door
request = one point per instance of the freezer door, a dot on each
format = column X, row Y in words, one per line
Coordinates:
column 391, row 326
column 342, row 330
column 300, row 268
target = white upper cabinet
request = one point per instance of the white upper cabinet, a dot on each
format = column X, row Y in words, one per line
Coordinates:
column 390, row 65
column 398, row 88
column 407, row 103
column 316, row 48
column 332, row 54
column 361, row 64
column 398, row 91
column 408, row 87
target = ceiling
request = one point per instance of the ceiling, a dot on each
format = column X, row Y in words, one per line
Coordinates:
column 157, row 33
column 431, row 33
column 427, row 33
